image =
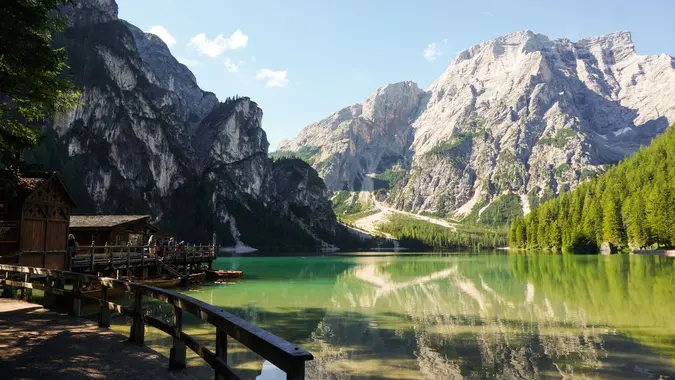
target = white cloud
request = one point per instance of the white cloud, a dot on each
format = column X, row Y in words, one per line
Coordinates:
column 231, row 66
column 489, row 14
column 432, row 52
column 273, row 78
column 162, row 33
column 215, row 47
column 435, row 50
column 187, row 61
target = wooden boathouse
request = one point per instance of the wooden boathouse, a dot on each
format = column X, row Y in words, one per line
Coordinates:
column 35, row 214
column 112, row 229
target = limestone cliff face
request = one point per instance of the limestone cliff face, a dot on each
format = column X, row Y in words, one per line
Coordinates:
column 519, row 114
column 147, row 139
column 362, row 139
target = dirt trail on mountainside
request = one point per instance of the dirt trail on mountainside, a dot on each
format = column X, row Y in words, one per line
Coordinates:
column 369, row 223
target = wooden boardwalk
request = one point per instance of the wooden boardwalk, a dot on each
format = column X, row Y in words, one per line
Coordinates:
column 39, row 344
column 284, row 355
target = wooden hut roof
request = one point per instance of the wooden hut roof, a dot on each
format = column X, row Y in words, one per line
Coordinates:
column 24, row 185
column 106, row 221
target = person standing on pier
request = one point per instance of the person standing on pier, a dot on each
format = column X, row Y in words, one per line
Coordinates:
column 151, row 246
column 72, row 246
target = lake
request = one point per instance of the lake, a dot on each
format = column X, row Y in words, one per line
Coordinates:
column 451, row 316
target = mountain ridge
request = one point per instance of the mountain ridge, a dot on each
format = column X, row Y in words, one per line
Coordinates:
column 146, row 139
column 519, row 114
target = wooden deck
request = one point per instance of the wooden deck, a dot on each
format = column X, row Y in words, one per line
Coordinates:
column 98, row 258
column 284, row 355
column 36, row 343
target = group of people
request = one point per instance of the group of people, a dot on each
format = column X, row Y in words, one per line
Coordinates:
column 161, row 247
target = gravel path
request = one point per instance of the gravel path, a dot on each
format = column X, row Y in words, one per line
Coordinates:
column 370, row 222
column 39, row 344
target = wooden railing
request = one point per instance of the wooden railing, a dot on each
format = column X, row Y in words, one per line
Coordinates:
column 286, row 356
column 115, row 256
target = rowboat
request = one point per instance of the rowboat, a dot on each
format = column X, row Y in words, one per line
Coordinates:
column 221, row 274
column 164, row 283
column 201, row 277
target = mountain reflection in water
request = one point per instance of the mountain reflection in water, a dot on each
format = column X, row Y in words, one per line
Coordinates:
column 453, row 317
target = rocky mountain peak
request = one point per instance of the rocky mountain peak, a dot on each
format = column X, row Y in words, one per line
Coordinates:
column 85, row 12
column 147, row 140
column 515, row 116
column 393, row 102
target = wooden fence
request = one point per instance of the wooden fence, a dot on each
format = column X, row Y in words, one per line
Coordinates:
column 111, row 257
column 286, row 356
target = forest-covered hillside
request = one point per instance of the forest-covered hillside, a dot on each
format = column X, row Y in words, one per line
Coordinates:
column 630, row 206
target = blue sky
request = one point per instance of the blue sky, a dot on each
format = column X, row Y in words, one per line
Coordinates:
column 302, row 59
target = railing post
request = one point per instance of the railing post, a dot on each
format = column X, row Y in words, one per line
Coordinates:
column 221, row 350
column 143, row 256
column 76, row 302
column 213, row 243
column 28, row 291
column 48, row 301
column 104, row 316
column 137, row 327
column 178, row 352
column 91, row 257
column 7, row 291
column 128, row 263
column 297, row 371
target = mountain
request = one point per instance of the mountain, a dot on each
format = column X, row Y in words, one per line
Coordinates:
column 147, row 139
column 629, row 206
column 514, row 119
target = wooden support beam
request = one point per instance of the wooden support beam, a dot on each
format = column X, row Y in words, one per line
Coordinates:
column 76, row 303
column 28, row 292
column 137, row 333
column 178, row 352
column 48, row 300
column 221, row 351
column 296, row 372
column 104, row 315
column 91, row 257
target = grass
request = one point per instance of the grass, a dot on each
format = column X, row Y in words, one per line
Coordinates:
column 559, row 140
column 306, row 153
column 391, row 177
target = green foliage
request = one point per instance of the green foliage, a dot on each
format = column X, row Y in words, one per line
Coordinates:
column 446, row 147
column 345, row 202
column 587, row 174
column 350, row 219
column 306, row 153
column 420, row 234
column 30, row 74
column 561, row 169
column 559, row 140
column 449, row 147
column 630, row 205
column 502, row 211
column 391, row 177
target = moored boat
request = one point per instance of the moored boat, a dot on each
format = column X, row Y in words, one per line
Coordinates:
column 201, row 277
column 164, row 283
column 221, row 274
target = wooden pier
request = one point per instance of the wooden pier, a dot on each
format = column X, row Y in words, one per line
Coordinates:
column 284, row 355
column 110, row 258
